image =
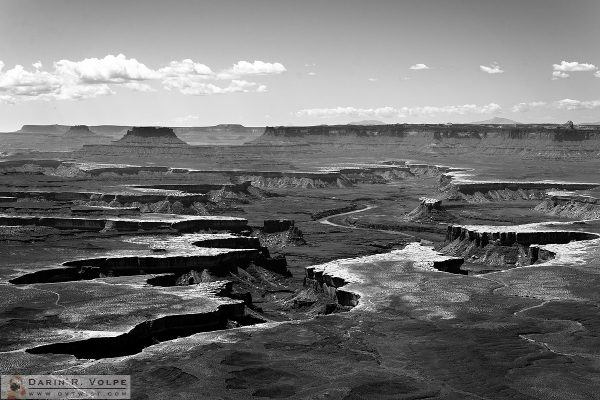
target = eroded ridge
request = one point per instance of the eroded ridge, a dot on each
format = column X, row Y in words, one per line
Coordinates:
column 570, row 205
column 177, row 223
column 218, row 254
column 217, row 313
column 456, row 185
column 349, row 280
column 504, row 247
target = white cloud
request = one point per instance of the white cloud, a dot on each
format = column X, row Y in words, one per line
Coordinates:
column 597, row 74
column 382, row 112
column 419, row 66
column 196, row 88
column 570, row 104
column 110, row 69
column 525, row 107
column 492, row 69
column 92, row 77
column 185, row 67
column 74, row 80
column 372, row 79
column 244, row 68
column 193, row 78
column 453, row 110
column 18, row 82
column 560, row 70
column 564, row 104
column 559, row 74
column 187, row 119
column 80, row 92
column 391, row 112
column 573, row 66
column 312, row 73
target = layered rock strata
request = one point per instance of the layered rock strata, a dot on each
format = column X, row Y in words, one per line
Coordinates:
column 347, row 281
column 570, row 205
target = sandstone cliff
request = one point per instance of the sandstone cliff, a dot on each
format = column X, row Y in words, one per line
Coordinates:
column 527, row 141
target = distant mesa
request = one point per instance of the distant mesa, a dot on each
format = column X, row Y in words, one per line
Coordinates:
column 47, row 129
column 367, row 122
column 151, row 136
column 497, row 121
column 79, row 131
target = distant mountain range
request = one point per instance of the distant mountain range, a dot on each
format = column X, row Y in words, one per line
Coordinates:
column 496, row 121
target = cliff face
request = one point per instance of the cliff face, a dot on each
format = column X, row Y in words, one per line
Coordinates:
column 438, row 131
column 46, row 129
column 150, row 136
column 529, row 141
column 79, row 131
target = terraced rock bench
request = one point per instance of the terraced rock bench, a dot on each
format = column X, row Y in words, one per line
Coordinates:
column 525, row 235
column 145, row 222
column 348, row 280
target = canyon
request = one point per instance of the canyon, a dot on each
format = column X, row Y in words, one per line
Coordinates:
column 346, row 261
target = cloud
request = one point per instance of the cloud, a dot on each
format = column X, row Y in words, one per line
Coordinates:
column 570, row 104
column 74, row 80
column 80, row 92
column 597, row 74
column 18, row 82
column 382, row 112
column 391, row 112
column 92, row 77
column 110, row 69
column 191, row 78
column 245, row 68
column 559, row 74
column 492, row 69
column 185, row 68
column 419, row 66
column 564, row 104
column 372, row 79
column 525, row 107
column 312, row 73
column 187, row 119
column 196, row 88
column 561, row 70
column 456, row 110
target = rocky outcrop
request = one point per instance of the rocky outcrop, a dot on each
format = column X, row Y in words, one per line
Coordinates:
column 224, row 313
column 570, row 205
column 291, row 179
column 525, row 235
column 124, row 224
column 527, row 141
column 501, row 247
column 430, row 210
column 487, row 191
column 349, row 280
column 150, row 137
column 217, row 254
column 79, row 131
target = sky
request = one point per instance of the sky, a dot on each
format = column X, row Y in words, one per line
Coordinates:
column 290, row 62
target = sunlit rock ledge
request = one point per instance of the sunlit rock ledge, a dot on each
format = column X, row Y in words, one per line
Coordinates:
column 528, row 234
column 359, row 281
column 181, row 223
